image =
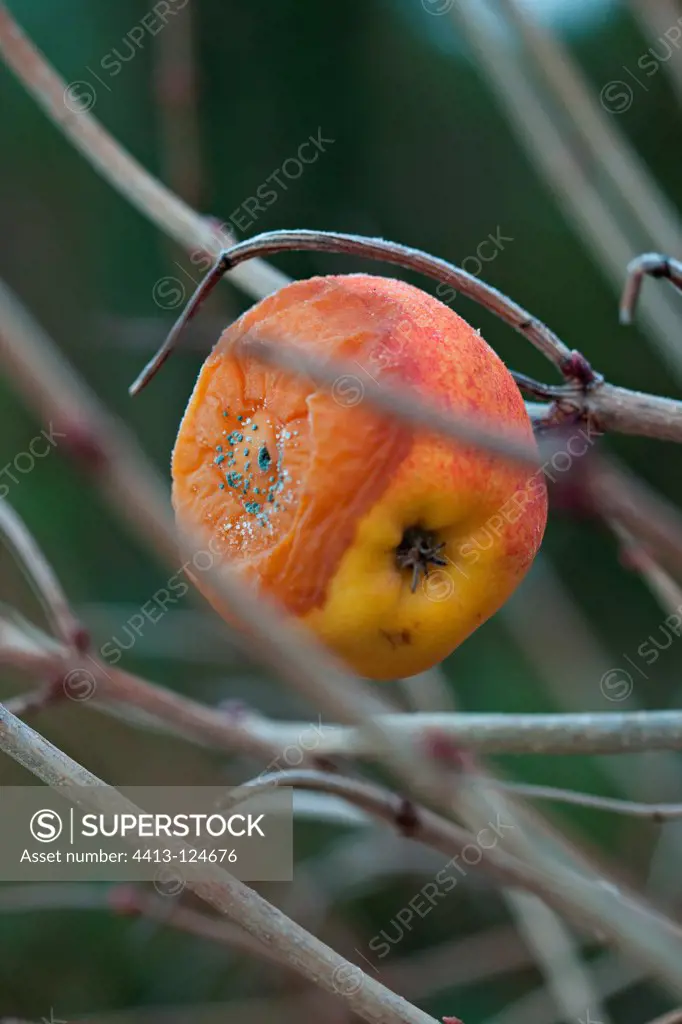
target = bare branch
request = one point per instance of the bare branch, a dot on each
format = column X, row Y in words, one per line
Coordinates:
column 117, row 166
column 538, row 122
column 618, row 495
column 41, row 576
column 271, row 242
column 609, row 147
column 396, row 400
column 633, row 808
column 651, row 264
column 612, row 408
column 622, row 732
column 242, row 905
column 621, row 411
column 132, row 900
column 113, row 688
column 665, row 589
column 657, row 17
column 410, row 820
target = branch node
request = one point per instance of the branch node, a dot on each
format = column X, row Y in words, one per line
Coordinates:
column 577, row 368
column 442, row 748
column 407, row 819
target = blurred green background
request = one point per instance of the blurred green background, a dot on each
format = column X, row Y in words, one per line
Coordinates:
column 423, row 154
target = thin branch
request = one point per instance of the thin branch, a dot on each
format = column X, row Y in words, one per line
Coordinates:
column 537, row 389
column 607, row 146
column 399, row 401
column 272, row 242
column 41, row 576
column 131, row 900
column 416, row 823
column 612, row 408
column 116, row 165
column 590, row 891
column 619, row 495
column 616, row 732
column 665, row 589
column 657, row 17
column 242, row 905
column 613, row 732
column 635, row 925
column 633, row 808
column 552, row 151
column 651, row 264
column 109, row 685
column 19, row 646
column 605, row 406
column 410, row 820
column 557, row 954
column 619, row 410
column 131, row 484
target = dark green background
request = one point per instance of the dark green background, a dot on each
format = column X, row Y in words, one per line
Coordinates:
column 422, row 154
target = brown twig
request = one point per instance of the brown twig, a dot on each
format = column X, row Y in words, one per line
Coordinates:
column 131, row 485
column 620, row 732
column 665, row 589
column 608, row 147
column 538, row 124
column 42, row 578
column 651, row 264
column 633, row 808
column 399, row 401
column 131, row 900
column 242, row 905
column 304, row 666
column 409, row 819
column 612, row 408
column 271, row 242
column 657, row 17
column 621, row 411
column 118, row 167
column 587, row 396
column 618, row 495
column 608, row 732
column 108, row 685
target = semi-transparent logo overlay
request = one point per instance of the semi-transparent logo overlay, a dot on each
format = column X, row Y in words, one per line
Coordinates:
column 164, row 834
